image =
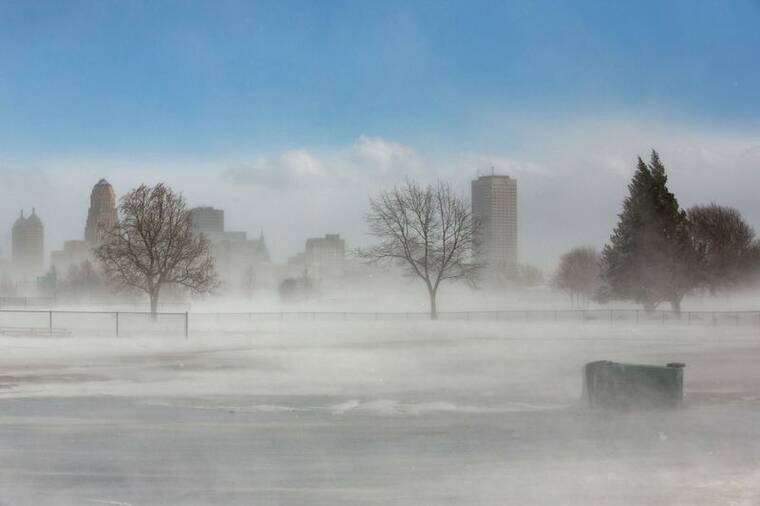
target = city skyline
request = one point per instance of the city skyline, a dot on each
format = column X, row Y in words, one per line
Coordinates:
column 244, row 106
column 381, row 252
column 544, row 195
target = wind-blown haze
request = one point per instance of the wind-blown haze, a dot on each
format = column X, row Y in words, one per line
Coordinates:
column 253, row 106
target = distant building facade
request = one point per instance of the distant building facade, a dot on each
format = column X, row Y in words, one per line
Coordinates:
column 237, row 259
column 494, row 206
column 325, row 257
column 28, row 245
column 102, row 213
column 101, row 216
column 207, row 221
column 74, row 252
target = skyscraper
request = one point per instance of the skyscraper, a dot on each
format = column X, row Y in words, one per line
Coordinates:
column 494, row 205
column 102, row 213
column 325, row 256
column 207, row 221
column 28, row 246
column 235, row 255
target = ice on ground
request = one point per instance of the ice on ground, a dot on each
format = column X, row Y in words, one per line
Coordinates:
column 388, row 413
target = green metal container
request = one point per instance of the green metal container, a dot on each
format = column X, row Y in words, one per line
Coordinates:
column 611, row 385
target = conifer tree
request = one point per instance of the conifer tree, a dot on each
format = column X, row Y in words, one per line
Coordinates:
column 650, row 258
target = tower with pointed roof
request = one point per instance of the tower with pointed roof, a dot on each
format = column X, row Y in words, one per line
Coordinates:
column 28, row 244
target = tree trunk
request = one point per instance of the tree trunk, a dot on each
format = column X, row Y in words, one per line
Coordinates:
column 675, row 305
column 433, row 307
column 154, row 305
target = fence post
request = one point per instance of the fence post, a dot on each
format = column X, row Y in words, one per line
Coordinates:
column 612, row 317
column 637, row 316
column 50, row 322
column 117, row 323
column 187, row 325
column 714, row 322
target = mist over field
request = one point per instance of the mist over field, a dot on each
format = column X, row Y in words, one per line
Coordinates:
column 399, row 253
column 375, row 413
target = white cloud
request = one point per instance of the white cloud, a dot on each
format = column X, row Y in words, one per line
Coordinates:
column 378, row 155
column 292, row 169
column 368, row 159
column 571, row 177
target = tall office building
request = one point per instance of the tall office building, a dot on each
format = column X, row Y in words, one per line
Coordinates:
column 324, row 256
column 494, row 206
column 101, row 216
column 207, row 221
column 27, row 237
column 234, row 253
column 102, row 213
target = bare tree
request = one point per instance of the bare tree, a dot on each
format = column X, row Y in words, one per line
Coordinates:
column 729, row 253
column 579, row 274
column 153, row 245
column 427, row 230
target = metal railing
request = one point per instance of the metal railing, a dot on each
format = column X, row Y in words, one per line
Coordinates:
column 25, row 302
column 39, row 322
column 522, row 315
column 92, row 323
column 241, row 321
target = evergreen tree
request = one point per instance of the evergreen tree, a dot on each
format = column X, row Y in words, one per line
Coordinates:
column 650, row 258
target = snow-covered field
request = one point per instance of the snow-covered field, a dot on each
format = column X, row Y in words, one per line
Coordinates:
column 411, row 413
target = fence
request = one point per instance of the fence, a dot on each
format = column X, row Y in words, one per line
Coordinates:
column 27, row 302
column 537, row 315
column 92, row 323
column 53, row 303
column 132, row 323
column 221, row 322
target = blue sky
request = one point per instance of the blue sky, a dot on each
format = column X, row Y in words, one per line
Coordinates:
column 204, row 78
column 271, row 108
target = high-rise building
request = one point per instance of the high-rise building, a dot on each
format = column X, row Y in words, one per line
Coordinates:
column 494, row 206
column 236, row 256
column 324, row 256
column 74, row 252
column 207, row 221
column 102, row 213
column 28, row 246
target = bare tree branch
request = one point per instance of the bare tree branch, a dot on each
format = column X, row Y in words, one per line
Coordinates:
column 428, row 230
column 153, row 245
